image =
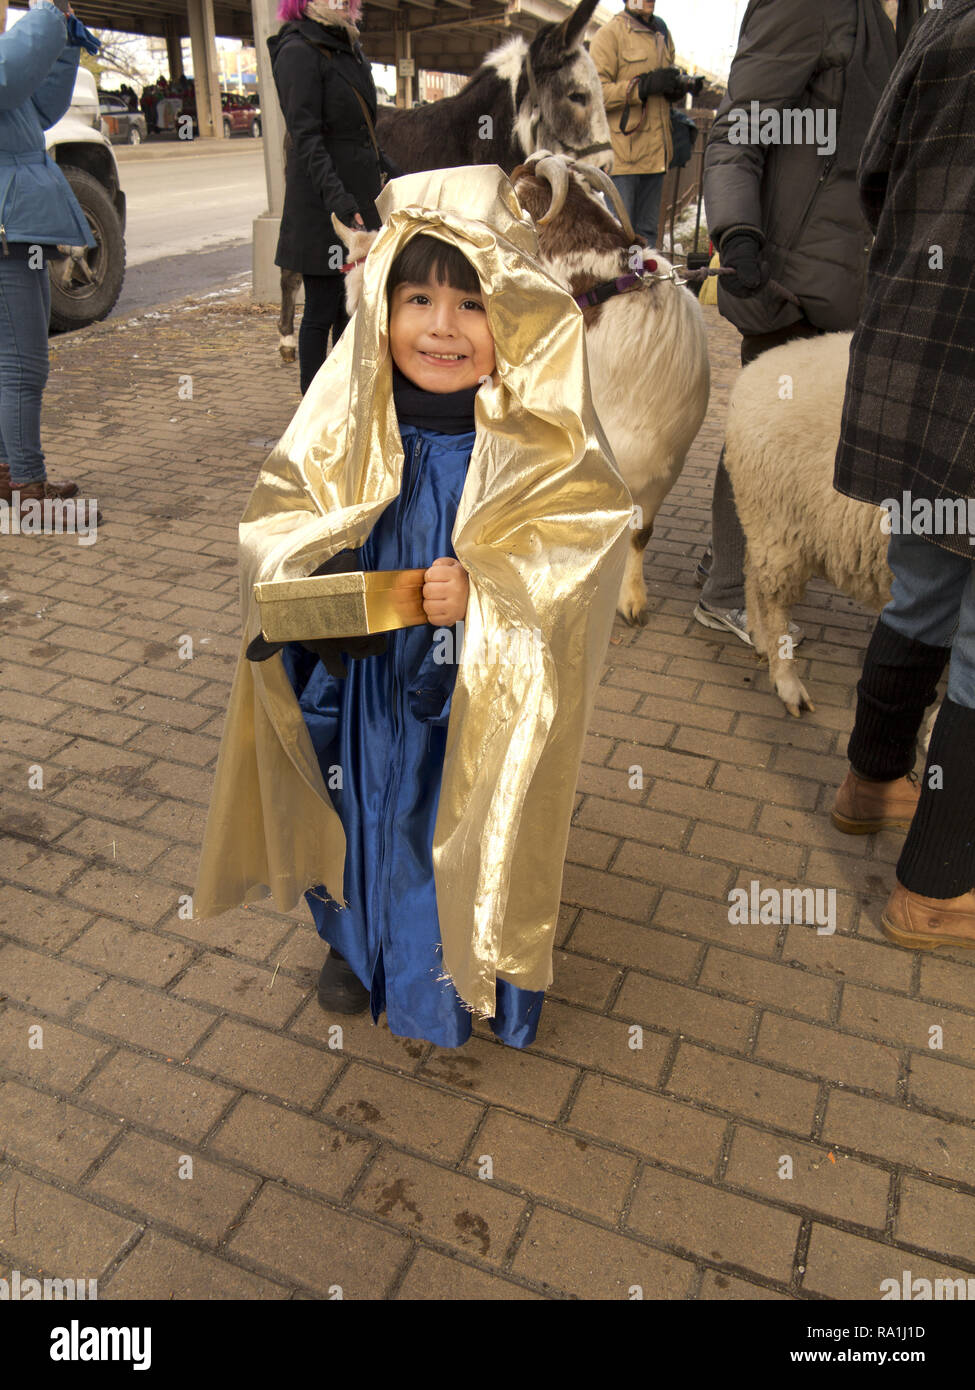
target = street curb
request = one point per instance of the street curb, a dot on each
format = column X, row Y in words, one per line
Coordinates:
column 177, row 149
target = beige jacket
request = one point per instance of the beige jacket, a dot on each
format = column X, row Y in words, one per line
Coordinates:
column 622, row 50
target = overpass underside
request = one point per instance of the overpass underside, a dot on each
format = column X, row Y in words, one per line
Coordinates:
column 439, row 35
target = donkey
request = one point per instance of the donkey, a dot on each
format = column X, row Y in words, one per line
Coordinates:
column 525, row 95
column 647, row 349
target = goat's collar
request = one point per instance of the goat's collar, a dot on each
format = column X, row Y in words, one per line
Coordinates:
column 623, row 284
column 351, row 265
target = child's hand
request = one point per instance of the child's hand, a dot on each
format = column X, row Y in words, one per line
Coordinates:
column 445, row 591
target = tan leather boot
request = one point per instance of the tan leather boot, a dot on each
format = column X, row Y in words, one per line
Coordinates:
column 924, row 924
column 28, row 490
column 862, row 807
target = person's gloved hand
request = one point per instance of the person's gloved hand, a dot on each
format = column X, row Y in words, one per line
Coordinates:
column 695, row 85
column 661, row 82
column 742, row 253
column 329, row 650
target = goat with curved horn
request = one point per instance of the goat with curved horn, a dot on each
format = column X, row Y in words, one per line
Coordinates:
column 555, row 173
column 645, row 341
column 598, row 179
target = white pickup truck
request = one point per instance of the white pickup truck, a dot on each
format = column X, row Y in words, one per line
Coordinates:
column 86, row 285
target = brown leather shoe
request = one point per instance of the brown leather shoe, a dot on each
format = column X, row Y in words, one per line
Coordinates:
column 62, row 490
column 862, row 807
column 51, row 492
column 924, row 924
column 37, row 492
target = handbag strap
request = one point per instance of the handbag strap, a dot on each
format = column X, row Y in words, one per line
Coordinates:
column 369, row 126
column 323, row 48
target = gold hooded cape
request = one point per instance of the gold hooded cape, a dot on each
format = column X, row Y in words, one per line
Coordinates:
column 542, row 531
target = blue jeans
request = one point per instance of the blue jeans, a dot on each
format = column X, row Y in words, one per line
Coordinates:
column 641, row 194
column 25, row 313
column 933, row 601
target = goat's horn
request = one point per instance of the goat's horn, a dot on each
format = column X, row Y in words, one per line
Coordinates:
column 554, row 172
column 598, row 178
column 341, row 230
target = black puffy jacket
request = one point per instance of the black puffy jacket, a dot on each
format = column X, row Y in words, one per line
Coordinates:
column 792, row 54
column 331, row 165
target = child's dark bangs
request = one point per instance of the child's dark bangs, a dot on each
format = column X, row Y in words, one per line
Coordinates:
column 427, row 258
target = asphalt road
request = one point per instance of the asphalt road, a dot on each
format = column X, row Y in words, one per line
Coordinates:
column 190, row 214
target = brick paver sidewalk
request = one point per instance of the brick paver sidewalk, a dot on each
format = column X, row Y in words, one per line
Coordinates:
column 175, row 1119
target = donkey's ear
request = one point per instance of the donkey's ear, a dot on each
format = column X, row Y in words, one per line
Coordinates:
column 341, row 230
column 575, row 23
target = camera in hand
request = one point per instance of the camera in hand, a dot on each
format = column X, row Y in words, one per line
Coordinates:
column 671, row 83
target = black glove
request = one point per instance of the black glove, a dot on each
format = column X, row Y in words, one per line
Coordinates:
column 661, row 82
column 329, row 650
column 742, row 253
column 695, row 85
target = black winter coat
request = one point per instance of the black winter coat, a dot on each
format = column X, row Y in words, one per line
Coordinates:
column 792, row 54
column 331, row 165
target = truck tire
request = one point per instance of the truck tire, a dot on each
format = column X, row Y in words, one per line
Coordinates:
column 78, row 304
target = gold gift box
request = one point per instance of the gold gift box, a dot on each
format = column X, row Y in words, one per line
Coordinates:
column 340, row 605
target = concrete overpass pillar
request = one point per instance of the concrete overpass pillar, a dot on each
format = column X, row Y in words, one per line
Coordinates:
column 267, row 277
column 403, row 41
column 174, row 48
column 206, row 71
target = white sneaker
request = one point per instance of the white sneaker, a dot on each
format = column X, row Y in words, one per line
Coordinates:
column 735, row 620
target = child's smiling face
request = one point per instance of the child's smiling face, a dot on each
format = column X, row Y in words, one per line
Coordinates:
column 439, row 336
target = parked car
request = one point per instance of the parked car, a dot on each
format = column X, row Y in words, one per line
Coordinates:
column 240, row 117
column 85, row 285
column 118, row 123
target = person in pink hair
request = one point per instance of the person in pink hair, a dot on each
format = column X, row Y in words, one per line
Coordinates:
column 328, row 97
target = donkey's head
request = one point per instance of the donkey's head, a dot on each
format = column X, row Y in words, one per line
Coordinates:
column 558, row 97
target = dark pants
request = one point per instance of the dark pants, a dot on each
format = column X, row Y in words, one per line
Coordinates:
column 725, row 587
column 324, row 312
column 930, row 616
column 641, row 194
column 25, row 311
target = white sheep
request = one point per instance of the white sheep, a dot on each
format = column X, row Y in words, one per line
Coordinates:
column 780, row 445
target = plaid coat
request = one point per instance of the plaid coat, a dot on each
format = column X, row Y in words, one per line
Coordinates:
column 908, row 420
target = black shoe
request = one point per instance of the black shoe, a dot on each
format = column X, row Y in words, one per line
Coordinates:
column 340, row 991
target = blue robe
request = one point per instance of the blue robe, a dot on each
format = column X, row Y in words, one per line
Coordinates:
column 380, row 736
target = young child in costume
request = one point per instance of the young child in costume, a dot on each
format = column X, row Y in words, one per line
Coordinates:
column 424, row 798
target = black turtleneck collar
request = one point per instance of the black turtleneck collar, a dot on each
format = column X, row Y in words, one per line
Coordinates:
column 450, row 412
